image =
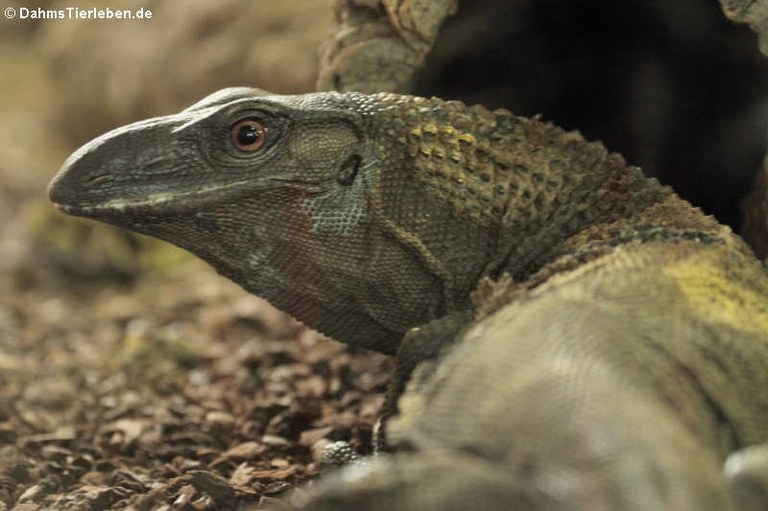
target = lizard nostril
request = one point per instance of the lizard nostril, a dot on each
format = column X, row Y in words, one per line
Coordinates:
column 99, row 179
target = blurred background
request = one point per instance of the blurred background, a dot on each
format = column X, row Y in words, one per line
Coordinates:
column 102, row 331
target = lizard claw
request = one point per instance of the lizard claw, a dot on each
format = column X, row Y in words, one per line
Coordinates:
column 340, row 454
column 747, row 471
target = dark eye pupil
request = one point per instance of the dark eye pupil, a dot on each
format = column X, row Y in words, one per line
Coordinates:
column 248, row 135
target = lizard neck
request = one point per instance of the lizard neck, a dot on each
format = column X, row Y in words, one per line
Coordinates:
column 527, row 190
column 586, row 202
column 563, row 188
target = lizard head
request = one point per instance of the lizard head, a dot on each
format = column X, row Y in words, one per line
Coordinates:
column 278, row 193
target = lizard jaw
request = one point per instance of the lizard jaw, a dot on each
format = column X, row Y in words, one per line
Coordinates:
column 177, row 202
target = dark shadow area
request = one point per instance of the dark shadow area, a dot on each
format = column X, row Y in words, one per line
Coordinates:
column 674, row 86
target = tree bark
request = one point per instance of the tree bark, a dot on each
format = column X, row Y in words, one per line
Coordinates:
column 380, row 44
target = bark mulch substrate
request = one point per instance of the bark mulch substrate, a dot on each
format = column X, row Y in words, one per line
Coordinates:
column 179, row 391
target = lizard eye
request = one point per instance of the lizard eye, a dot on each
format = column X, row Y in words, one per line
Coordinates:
column 248, row 135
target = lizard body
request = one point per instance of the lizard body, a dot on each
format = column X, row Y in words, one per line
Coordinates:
column 627, row 333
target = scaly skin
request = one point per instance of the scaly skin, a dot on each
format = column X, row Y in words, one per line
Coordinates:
column 620, row 357
column 439, row 196
column 623, row 384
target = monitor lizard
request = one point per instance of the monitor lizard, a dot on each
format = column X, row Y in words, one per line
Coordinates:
column 569, row 333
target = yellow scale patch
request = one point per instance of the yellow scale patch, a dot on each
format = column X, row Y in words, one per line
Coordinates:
column 444, row 152
column 713, row 295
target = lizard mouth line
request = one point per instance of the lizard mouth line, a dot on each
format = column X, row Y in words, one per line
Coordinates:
column 176, row 202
